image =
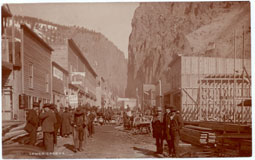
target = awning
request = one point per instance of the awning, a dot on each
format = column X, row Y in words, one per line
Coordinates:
column 73, row 86
column 6, row 66
column 6, row 11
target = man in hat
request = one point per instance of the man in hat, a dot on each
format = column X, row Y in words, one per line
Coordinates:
column 176, row 124
column 166, row 128
column 157, row 128
column 48, row 121
column 32, row 123
column 78, row 124
column 66, row 121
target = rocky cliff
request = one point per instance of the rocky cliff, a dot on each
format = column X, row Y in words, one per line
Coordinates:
column 161, row 31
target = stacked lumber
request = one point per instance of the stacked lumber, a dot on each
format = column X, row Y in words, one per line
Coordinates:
column 13, row 132
column 198, row 135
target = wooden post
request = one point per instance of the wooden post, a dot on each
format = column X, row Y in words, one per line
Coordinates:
column 234, row 93
column 199, row 87
column 242, row 77
column 22, row 60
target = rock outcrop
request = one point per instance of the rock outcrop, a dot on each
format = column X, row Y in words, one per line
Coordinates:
column 161, row 31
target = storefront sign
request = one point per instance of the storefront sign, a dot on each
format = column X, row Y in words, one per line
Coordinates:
column 57, row 73
column 73, row 99
column 78, row 77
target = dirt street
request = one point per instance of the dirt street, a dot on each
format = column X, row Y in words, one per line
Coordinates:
column 108, row 142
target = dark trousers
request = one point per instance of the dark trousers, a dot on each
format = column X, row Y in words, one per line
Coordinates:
column 32, row 136
column 48, row 139
column 91, row 129
column 159, row 144
column 55, row 134
column 78, row 137
column 170, row 146
column 175, row 144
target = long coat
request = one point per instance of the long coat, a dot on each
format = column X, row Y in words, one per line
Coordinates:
column 176, row 124
column 48, row 121
column 167, row 126
column 32, row 120
column 66, row 123
column 157, row 129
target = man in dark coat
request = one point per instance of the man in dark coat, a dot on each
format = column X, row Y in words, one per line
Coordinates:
column 32, row 123
column 78, row 124
column 91, row 118
column 66, row 121
column 157, row 127
column 176, row 124
column 58, row 124
column 167, row 126
column 48, row 121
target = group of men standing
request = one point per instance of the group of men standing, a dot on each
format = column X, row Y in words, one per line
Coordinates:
column 78, row 122
column 168, row 129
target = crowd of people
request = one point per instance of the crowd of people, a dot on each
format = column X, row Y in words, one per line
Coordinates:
column 79, row 123
column 168, row 129
column 64, row 122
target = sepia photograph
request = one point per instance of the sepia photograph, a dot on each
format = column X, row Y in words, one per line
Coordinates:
column 96, row 80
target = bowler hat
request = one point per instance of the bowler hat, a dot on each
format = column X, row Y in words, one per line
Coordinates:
column 173, row 109
column 36, row 104
column 52, row 106
column 46, row 105
column 167, row 106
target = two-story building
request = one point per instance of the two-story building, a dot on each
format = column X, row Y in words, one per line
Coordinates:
column 59, row 85
column 27, row 78
column 82, row 77
column 36, row 68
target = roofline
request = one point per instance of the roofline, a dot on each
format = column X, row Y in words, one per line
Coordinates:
column 71, row 41
column 25, row 27
column 174, row 60
column 60, row 67
column 6, row 10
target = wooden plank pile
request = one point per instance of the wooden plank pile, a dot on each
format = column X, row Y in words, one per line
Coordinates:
column 198, row 135
column 239, row 142
column 229, row 140
column 13, row 132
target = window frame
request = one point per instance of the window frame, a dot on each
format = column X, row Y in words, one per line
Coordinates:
column 47, row 88
column 31, row 76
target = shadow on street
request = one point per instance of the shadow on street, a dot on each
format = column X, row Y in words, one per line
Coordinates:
column 70, row 147
column 147, row 152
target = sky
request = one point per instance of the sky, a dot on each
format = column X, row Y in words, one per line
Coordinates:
column 113, row 20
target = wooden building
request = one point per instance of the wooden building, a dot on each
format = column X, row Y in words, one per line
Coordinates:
column 28, row 78
column 7, row 66
column 82, row 77
column 208, row 88
column 59, row 85
column 36, row 67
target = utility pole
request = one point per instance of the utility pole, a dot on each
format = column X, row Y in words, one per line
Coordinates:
column 234, row 94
